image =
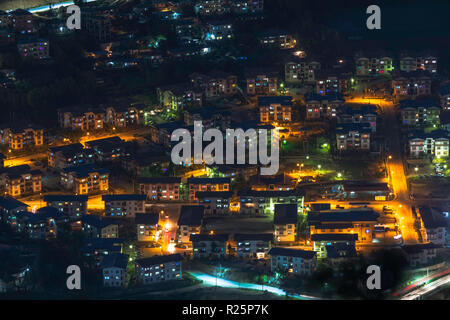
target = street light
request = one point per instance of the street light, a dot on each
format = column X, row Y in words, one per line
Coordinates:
column 416, row 169
column 339, row 174
column 319, row 166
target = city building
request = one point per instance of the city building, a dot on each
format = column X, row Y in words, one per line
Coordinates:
column 365, row 113
column 147, row 228
column 366, row 190
column 73, row 206
column 326, row 242
column 285, row 222
column 422, row 254
column 95, row 227
column 263, row 202
column 444, row 94
column 207, row 184
column 209, row 245
column 353, row 136
column 420, row 112
column 19, row 136
column 253, row 246
column 300, row 70
column 215, row 84
column 125, row 116
column 189, row 222
column 262, row 82
column 159, row 268
column 434, row 144
column 69, row 155
column 33, row 48
column 96, row 25
column 210, row 7
column 84, row 120
column 278, row 39
column 274, row 109
column 108, row 149
column 114, row 268
column 294, row 261
column 435, row 224
column 21, row 21
column 44, row 224
column 20, row 180
column 353, row 221
column 124, row 205
column 160, row 188
column 413, row 62
column 179, row 96
column 279, row 182
column 411, row 84
column 339, row 253
column 215, row 202
column 373, row 65
column 86, row 179
column 98, row 248
column 323, row 106
column 219, row 30
column 10, row 207
column 329, row 82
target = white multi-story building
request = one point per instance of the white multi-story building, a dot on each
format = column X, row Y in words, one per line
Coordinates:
column 159, row 268
column 295, row 261
column 420, row 112
column 114, row 268
column 209, row 245
column 160, row 188
column 189, row 222
column 215, row 202
column 323, row 106
column 285, row 222
column 253, row 246
column 124, row 205
column 435, row 225
column 362, row 114
column 353, row 136
column 298, row 70
column 414, row 83
column 410, row 63
column 433, row 144
column 372, row 66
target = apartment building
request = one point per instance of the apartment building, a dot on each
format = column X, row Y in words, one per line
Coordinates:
column 373, row 65
column 219, row 30
column 262, row 82
column 9, row 207
column 253, row 246
column 274, row 109
column 323, row 106
column 179, row 96
column 19, row 136
column 263, row 202
column 353, row 221
column 86, row 179
column 328, row 82
column 294, row 261
column 207, row 184
column 278, row 39
column 245, row 7
column 300, row 70
column 160, row 188
column 124, row 205
column 279, row 182
column 20, row 180
column 86, row 120
column 114, row 269
column 159, row 268
column 413, row 62
column 435, row 224
column 353, row 136
column 209, row 245
column 33, row 48
column 21, row 21
column 189, row 222
column 285, row 223
column 210, row 118
column 125, row 116
column 108, row 149
column 411, row 84
column 44, row 224
column 211, row 7
column 323, row 241
column 95, row 227
column 215, row 202
column 73, row 206
column 215, row 84
column 420, row 112
column 365, row 113
column 422, row 254
column 147, row 228
column 69, row 155
column 434, row 144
